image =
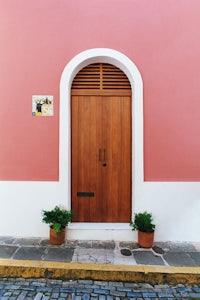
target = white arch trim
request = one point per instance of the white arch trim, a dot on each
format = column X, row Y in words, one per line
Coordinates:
column 121, row 61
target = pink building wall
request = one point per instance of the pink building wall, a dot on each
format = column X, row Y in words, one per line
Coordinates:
column 38, row 38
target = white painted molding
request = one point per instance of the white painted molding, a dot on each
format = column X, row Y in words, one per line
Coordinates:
column 121, row 61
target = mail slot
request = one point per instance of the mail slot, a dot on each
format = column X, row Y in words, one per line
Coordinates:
column 85, row 194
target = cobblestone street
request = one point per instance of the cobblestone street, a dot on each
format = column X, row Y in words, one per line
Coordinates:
column 46, row 289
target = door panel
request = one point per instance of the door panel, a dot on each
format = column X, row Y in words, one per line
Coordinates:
column 85, row 145
column 117, row 173
column 101, row 158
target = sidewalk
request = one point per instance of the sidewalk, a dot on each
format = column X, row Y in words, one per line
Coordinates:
column 98, row 257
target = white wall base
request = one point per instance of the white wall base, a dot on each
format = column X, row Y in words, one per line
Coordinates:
column 175, row 207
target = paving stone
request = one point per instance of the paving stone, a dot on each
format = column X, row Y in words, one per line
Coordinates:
column 108, row 287
column 7, row 293
column 196, row 257
column 63, row 295
column 7, row 251
column 45, row 242
column 16, row 293
column 146, row 286
column 124, row 289
column 103, row 244
column 116, row 283
column 129, row 245
column 100, row 291
column 100, row 282
column 177, row 247
column 37, row 283
column 27, row 242
column 183, row 289
column 59, row 254
column 102, row 297
column 31, row 294
column 13, row 286
column 147, row 258
column 194, row 295
column 108, row 297
column 29, row 253
column 55, row 295
column 85, row 244
column 93, row 255
column 148, row 294
column 67, row 290
column 118, row 293
column 38, row 296
column 179, row 259
column 86, row 297
column 130, row 284
column 91, row 286
column 6, row 239
column 85, row 281
column 27, row 288
column 165, row 295
column 22, row 295
column 83, row 290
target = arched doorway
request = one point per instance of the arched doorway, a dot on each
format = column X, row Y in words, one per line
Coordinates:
column 101, row 144
column 98, row 230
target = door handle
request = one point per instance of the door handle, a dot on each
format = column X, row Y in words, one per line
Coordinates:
column 99, row 154
column 104, row 154
column 104, row 164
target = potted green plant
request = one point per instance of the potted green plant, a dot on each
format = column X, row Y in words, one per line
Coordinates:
column 57, row 218
column 143, row 223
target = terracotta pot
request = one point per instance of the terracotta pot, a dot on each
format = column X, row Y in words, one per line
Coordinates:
column 57, row 238
column 145, row 239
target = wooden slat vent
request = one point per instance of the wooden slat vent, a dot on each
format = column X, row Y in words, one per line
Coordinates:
column 101, row 77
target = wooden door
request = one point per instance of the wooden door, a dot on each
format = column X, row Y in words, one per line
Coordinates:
column 101, row 156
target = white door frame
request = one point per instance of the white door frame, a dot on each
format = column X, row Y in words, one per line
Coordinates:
column 102, row 55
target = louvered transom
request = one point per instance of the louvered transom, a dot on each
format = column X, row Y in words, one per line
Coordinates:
column 87, row 78
column 114, row 78
column 101, row 77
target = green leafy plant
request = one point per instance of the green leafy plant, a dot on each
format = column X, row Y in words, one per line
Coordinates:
column 57, row 218
column 143, row 222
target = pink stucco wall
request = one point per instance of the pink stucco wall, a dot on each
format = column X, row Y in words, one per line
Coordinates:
column 39, row 37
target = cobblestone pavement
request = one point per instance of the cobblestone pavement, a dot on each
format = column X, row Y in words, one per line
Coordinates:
column 46, row 289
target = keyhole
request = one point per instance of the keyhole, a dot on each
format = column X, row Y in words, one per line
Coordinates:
column 104, row 164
